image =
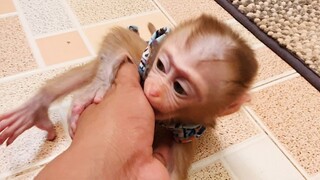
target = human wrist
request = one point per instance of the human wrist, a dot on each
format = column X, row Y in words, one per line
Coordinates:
column 103, row 159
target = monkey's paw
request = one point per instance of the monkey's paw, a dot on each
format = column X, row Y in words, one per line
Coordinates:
column 93, row 94
column 14, row 123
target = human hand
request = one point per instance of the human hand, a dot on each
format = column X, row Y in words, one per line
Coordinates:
column 114, row 138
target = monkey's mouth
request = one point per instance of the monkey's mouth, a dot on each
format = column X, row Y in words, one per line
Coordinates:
column 160, row 115
column 157, row 113
column 158, row 109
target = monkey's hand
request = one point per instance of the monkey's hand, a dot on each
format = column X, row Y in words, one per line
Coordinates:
column 33, row 112
column 93, row 93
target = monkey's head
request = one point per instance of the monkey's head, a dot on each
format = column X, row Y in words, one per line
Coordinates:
column 202, row 70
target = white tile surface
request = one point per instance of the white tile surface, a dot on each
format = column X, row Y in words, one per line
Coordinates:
column 261, row 160
column 316, row 177
column 31, row 147
column 27, row 174
column 45, row 16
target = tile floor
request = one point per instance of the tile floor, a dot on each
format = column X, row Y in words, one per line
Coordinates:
column 276, row 136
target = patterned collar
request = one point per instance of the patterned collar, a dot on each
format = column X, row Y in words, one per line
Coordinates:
column 185, row 133
column 182, row 133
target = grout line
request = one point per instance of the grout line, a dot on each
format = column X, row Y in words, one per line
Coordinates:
column 164, row 12
column 8, row 15
column 220, row 154
column 78, row 27
column 236, row 147
column 54, row 33
column 274, row 80
column 248, row 115
column 197, row 167
column 120, row 19
column 228, row 168
column 276, row 142
column 44, row 69
column 207, row 161
column 32, row 44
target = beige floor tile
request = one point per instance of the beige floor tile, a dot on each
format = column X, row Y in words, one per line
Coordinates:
column 214, row 171
column 45, row 16
column 291, row 111
column 89, row 12
column 185, row 9
column 230, row 130
column 7, row 6
column 61, row 48
column 270, row 64
column 96, row 34
column 15, row 54
column 15, row 92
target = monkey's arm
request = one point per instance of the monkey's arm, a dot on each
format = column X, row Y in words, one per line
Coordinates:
column 35, row 110
column 177, row 158
column 95, row 91
column 118, row 46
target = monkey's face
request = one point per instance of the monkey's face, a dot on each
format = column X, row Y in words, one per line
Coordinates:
column 177, row 84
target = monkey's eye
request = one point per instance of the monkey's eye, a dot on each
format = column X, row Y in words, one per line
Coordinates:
column 160, row 66
column 178, row 88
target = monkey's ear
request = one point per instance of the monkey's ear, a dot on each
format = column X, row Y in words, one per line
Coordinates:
column 235, row 105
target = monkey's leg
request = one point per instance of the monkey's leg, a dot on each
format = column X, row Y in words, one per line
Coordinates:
column 35, row 110
column 95, row 91
column 182, row 158
column 177, row 157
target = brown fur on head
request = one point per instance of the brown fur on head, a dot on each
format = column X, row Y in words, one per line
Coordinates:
column 239, row 57
column 222, row 64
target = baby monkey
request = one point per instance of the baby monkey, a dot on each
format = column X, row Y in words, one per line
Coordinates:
column 201, row 70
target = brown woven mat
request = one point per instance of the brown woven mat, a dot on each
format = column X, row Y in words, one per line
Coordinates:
column 291, row 28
